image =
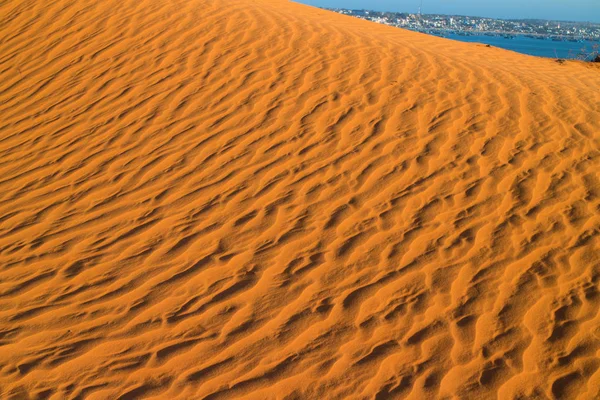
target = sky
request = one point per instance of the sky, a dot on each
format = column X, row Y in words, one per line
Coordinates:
column 564, row 10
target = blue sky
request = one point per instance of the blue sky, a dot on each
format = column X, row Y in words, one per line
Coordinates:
column 573, row 10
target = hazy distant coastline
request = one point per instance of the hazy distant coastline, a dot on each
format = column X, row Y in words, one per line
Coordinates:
column 560, row 39
column 479, row 25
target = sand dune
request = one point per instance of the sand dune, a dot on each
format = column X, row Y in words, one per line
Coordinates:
column 206, row 199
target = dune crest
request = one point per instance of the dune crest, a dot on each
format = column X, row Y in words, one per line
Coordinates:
column 259, row 199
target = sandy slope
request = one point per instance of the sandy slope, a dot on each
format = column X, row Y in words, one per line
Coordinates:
column 258, row 199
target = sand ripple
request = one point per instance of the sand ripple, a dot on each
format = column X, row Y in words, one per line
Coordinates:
column 252, row 198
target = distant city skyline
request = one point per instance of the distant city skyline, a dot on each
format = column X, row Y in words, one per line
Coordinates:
column 561, row 10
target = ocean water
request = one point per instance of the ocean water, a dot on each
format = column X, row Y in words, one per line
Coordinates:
column 534, row 47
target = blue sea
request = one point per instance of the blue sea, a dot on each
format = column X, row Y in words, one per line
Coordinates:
column 531, row 46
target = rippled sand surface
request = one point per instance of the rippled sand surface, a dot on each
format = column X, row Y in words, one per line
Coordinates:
column 258, row 199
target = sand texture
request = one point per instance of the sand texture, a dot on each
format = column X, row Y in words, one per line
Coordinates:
column 257, row 199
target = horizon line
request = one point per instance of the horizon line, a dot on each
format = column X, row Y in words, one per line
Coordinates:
column 458, row 15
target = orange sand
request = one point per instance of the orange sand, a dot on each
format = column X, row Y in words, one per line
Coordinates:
column 258, row 199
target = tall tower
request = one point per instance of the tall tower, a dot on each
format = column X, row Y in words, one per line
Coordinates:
column 420, row 8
